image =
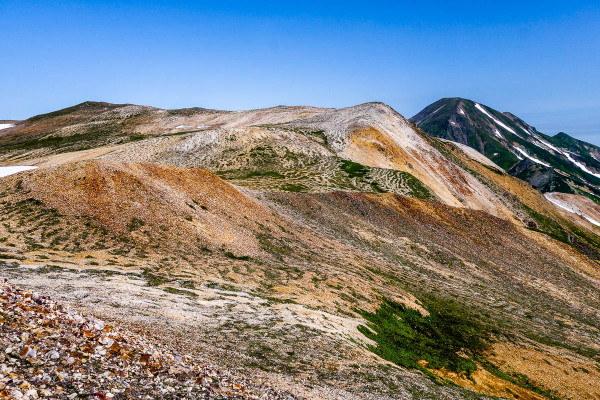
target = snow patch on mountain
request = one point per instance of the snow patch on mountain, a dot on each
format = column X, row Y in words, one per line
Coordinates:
column 535, row 160
column 6, row 126
column 568, row 207
column 579, row 165
column 13, row 169
column 483, row 110
column 546, row 144
column 542, row 144
column 549, row 145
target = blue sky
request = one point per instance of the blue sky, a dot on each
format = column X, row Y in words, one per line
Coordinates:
column 539, row 60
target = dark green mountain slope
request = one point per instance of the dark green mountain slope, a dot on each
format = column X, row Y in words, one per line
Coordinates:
column 550, row 163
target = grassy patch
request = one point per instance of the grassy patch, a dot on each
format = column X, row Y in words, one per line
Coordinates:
column 173, row 290
column 270, row 174
column 273, row 246
column 585, row 242
column 403, row 336
column 591, row 196
column 417, row 189
column 229, row 254
column 135, row 138
column 135, row 224
column 152, row 279
column 547, row 225
column 353, row 169
column 493, row 169
column 281, row 301
column 290, row 187
column 321, row 135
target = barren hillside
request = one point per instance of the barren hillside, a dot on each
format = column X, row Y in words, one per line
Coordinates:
column 331, row 253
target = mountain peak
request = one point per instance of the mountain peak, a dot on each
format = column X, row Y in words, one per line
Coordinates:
column 508, row 141
column 563, row 136
column 85, row 107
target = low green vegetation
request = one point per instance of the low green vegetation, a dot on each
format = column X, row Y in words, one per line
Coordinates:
column 173, row 290
column 229, row 254
column 135, row 224
column 280, row 168
column 353, row 169
column 547, row 225
column 152, row 279
column 585, row 242
column 591, row 196
column 403, row 336
column 321, row 135
column 417, row 189
column 260, row 174
column 450, row 337
column 290, row 187
column 93, row 136
column 57, row 113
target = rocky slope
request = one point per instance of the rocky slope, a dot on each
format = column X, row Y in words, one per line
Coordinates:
column 92, row 125
column 288, row 280
column 558, row 163
column 367, row 148
column 50, row 351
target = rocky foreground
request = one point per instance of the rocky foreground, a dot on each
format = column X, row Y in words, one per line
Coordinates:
column 50, row 351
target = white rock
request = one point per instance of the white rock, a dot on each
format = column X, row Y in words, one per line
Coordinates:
column 31, row 353
column 53, row 355
column 98, row 324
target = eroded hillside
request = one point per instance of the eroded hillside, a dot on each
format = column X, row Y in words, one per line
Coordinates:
column 280, row 260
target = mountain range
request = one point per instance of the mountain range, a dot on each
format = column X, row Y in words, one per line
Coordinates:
column 327, row 253
column 558, row 163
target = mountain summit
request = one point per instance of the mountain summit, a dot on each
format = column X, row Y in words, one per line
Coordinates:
column 557, row 163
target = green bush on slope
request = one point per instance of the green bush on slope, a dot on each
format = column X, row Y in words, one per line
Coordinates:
column 403, row 336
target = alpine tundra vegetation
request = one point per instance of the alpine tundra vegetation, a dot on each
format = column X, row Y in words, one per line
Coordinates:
column 297, row 252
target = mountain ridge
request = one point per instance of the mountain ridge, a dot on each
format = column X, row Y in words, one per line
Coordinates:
column 568, row 164
column 318, row 249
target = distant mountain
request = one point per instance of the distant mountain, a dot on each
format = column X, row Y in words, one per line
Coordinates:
column 557, row 163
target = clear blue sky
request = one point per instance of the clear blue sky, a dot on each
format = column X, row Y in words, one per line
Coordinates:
column 537, row 59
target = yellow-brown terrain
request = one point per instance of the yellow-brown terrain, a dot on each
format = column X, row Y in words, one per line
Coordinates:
column 265, row 239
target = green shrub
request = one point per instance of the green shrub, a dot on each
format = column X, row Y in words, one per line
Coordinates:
column 353, row 169
column 229, row 254
column 403, row 336
column 135, row 224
